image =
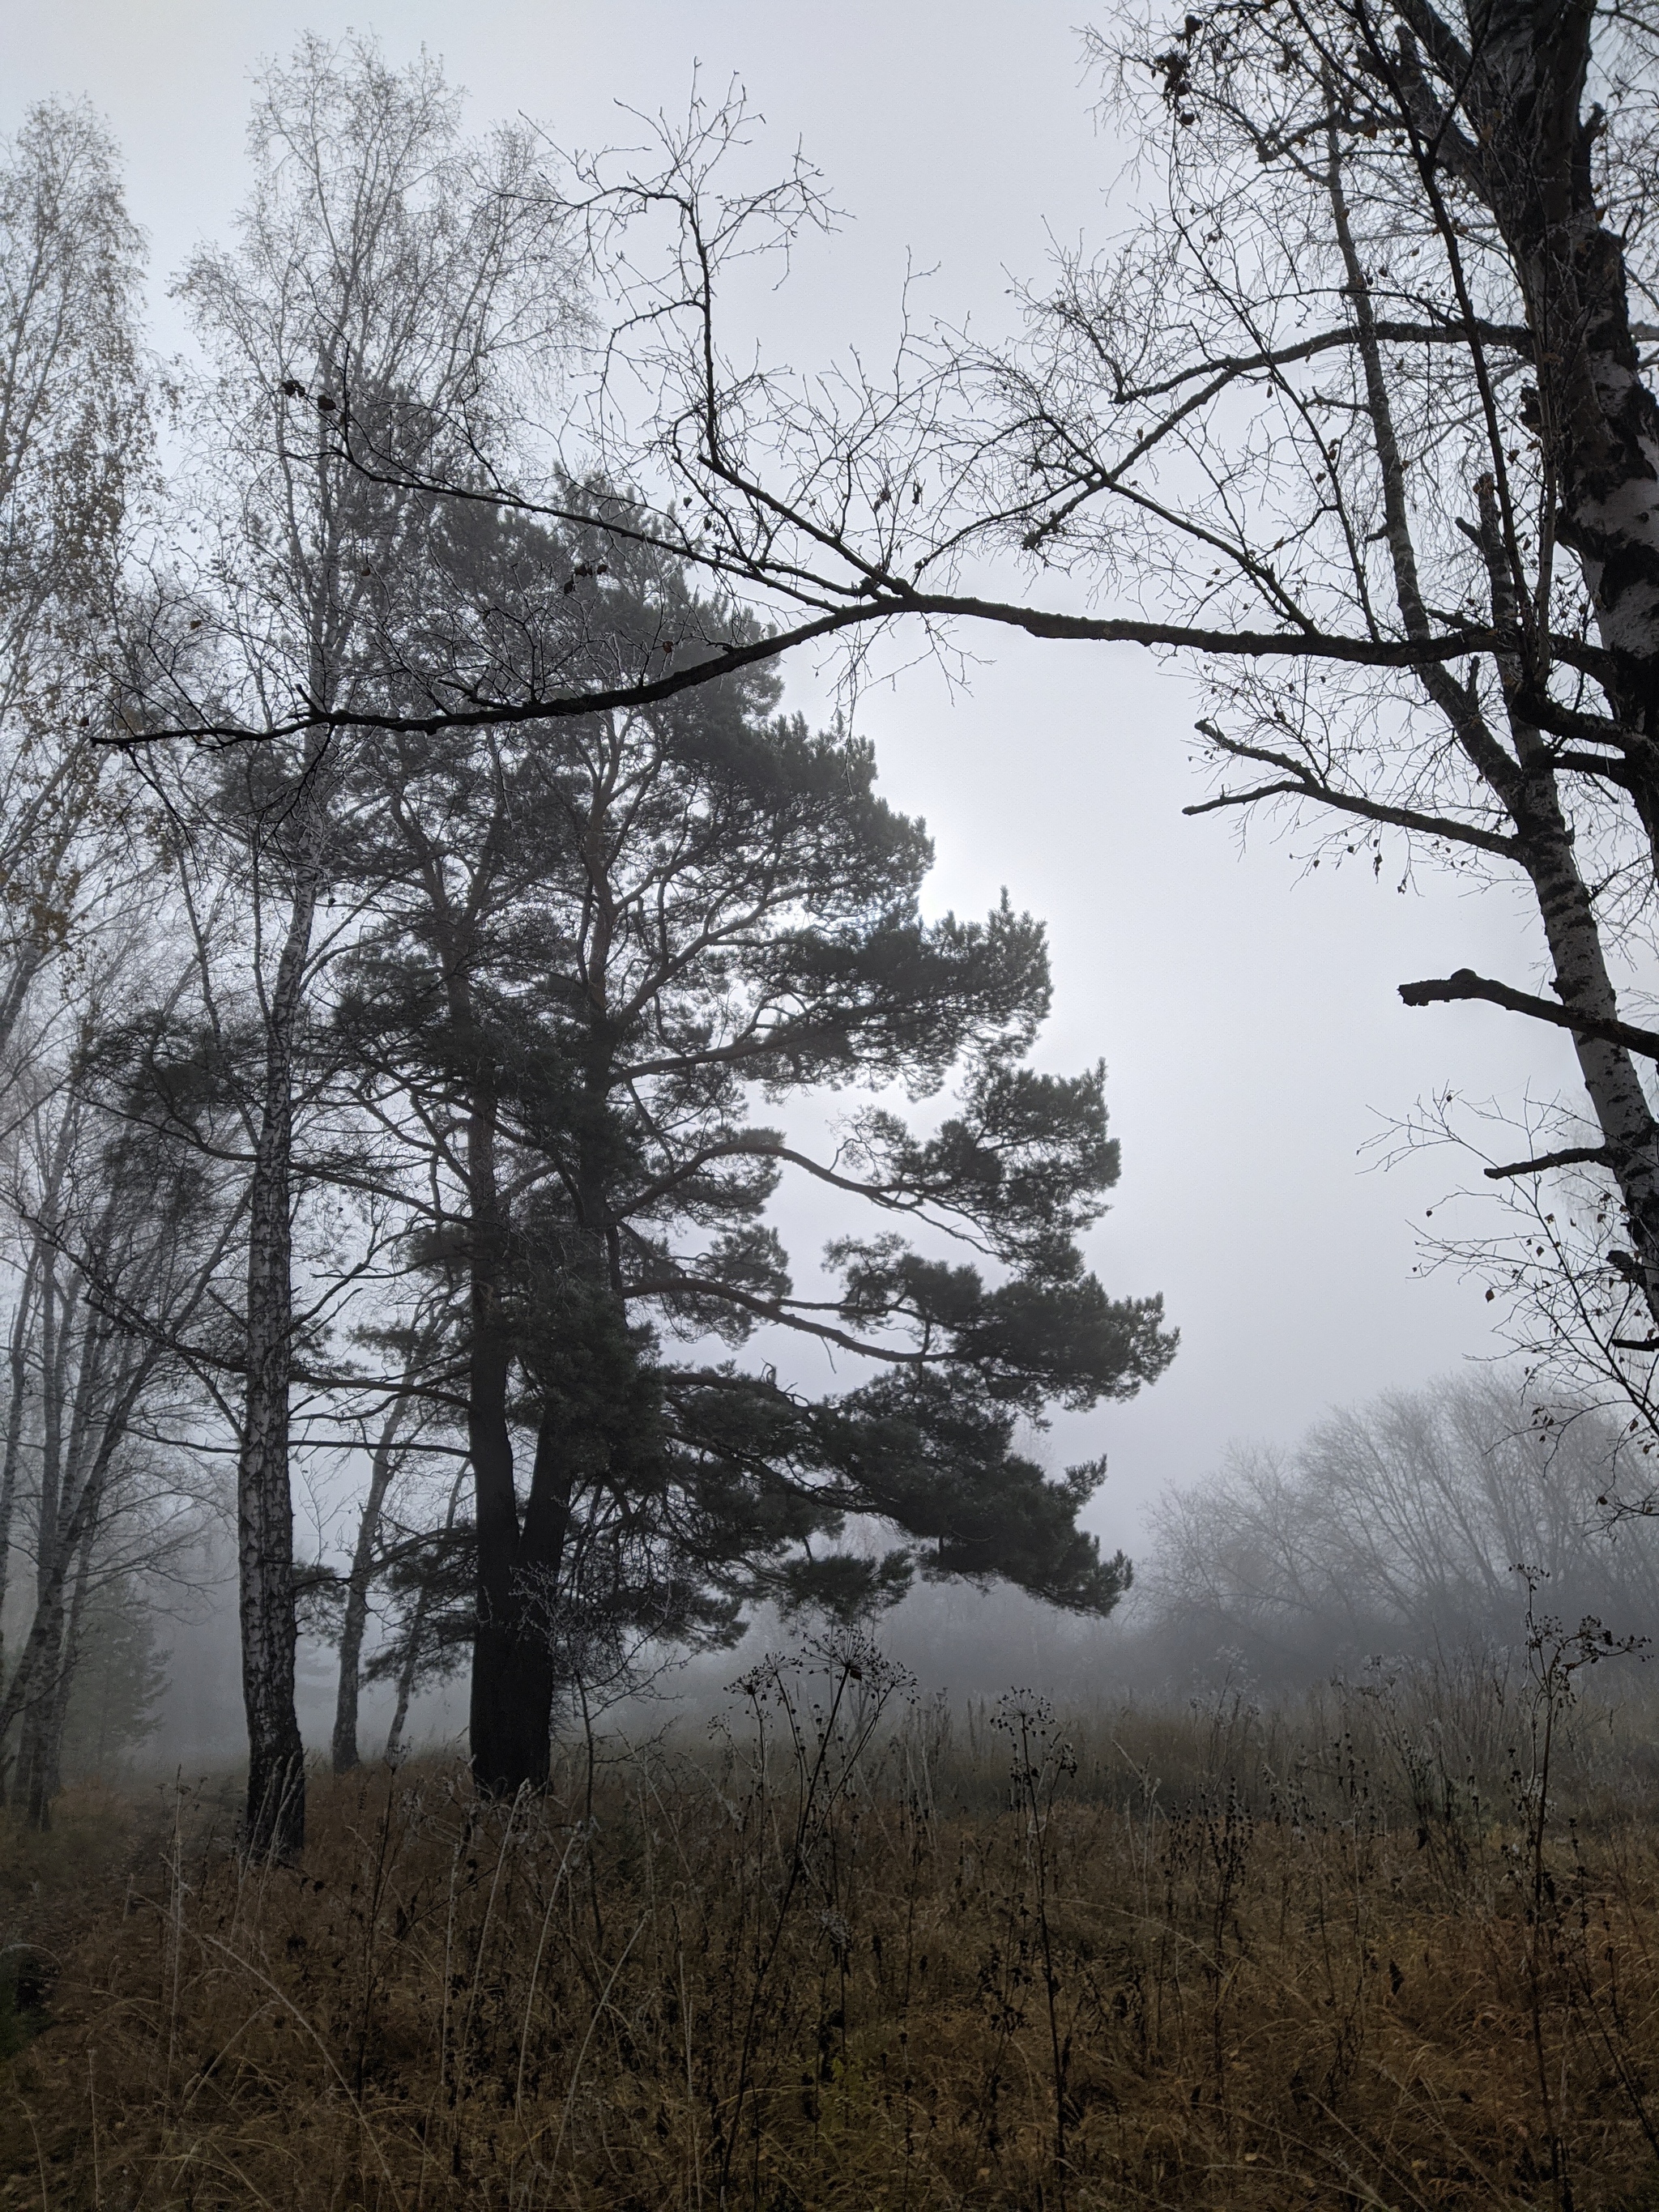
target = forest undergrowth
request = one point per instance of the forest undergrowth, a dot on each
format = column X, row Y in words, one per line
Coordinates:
column 1397, row 1945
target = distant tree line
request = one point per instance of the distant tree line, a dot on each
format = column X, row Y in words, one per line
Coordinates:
column 1424, row 1522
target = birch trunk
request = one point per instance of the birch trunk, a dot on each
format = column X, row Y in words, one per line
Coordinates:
column 1546, row 846
column 275, row 1817
column 1530, row 156
column 17, row 1392
column 1602, row 428
column 1599, row 423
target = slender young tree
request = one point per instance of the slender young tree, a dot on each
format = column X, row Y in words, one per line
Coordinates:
column 401, row 1426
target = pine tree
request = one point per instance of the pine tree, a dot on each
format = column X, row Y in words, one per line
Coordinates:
column 597, row 942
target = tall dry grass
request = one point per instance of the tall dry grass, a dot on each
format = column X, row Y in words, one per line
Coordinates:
column 1399, row 1948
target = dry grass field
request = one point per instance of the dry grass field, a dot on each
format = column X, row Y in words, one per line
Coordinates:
column 1396, row 1947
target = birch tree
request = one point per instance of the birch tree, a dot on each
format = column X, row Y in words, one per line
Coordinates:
column 75, row 464
column 75, row 478
column 386, row 264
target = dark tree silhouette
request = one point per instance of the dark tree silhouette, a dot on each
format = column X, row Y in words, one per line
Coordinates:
column 596, row 943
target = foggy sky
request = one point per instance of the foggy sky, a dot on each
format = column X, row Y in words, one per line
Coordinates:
column 1248, row 1016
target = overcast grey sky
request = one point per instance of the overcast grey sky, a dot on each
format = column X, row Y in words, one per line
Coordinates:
column 1248, row 1016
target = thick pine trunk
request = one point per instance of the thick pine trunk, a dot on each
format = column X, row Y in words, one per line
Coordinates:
column 275, row 1817
column 512, row 1694
column 512, row 1708
column 519, row 1558
column 514, row 1677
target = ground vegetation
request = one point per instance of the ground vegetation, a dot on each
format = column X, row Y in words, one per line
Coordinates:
column 1392, row 1946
